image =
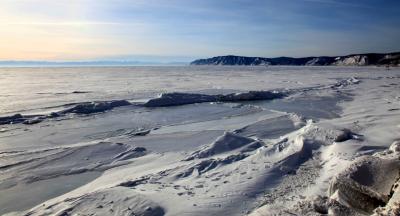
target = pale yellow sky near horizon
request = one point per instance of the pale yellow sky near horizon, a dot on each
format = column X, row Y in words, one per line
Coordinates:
column 61, row 31
column 30, row 36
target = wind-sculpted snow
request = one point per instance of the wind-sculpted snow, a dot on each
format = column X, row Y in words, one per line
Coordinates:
column 112, row 201
column 241, row 167
column 33, row 166
column 368, row 185
column 223, row 144
column 330, row 134
column 209, row 164
column 250, row 167
column 272, row 127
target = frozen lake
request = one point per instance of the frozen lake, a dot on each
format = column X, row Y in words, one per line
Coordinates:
column 29, row 89
column 215, row 153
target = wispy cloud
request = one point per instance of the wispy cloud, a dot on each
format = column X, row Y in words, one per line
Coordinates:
column 70, row 23
column 340, row 3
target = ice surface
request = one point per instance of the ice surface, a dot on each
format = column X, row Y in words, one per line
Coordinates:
column 97, row 149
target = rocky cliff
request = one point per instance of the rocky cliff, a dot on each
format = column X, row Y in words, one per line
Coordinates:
column 392, row 59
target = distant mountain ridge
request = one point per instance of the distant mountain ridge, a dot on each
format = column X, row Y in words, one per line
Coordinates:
column 392, row 59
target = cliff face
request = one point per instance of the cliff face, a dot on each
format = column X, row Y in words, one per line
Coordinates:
column 392, row 59
column 232, row 60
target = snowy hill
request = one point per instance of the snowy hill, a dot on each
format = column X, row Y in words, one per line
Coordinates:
column 392, row 59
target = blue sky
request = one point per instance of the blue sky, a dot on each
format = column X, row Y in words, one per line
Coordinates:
column 180, row 30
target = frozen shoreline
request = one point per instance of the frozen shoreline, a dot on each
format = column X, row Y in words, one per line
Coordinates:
column 217, row 157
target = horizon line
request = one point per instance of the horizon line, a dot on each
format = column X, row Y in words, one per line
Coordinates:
column 132, row 61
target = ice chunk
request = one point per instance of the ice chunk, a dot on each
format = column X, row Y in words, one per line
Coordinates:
column 252, row 95
column 17, row 118
column 367, row 183
column 174, row 99
column 94, row 107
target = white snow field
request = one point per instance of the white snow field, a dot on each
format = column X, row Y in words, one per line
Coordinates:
column 200, row 141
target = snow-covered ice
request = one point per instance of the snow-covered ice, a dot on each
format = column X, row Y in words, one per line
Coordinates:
column 216, row 141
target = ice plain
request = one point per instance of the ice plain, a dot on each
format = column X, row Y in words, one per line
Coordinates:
column 331, row 134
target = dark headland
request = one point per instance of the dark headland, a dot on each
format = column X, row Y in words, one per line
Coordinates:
column 379, row 59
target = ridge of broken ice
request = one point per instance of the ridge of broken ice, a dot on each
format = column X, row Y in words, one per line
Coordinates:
column 94, row 107
column 164, row 99
column 80, row 108
column 370, row 182
column 175, row 98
